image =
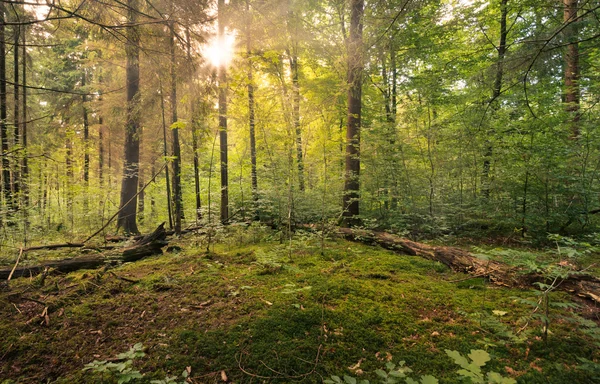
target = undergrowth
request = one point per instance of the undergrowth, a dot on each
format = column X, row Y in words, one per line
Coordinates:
column 254, row 311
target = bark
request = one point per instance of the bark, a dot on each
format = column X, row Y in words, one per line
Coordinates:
column 86, row 134
column 148, row 245
column 222, row 77
column 6, row 188
column 16, row 106
column 177, row 195
column 251, row 115
column 128, row 205
column 193, row 102
column 352, row 160
column 572, row 96
column 296, row 118
column 496, row 91
column 101, row 151
column 459, row 260
column 24, row 164
column 167, row 178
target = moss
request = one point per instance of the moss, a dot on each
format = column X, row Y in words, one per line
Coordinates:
column 220, row 311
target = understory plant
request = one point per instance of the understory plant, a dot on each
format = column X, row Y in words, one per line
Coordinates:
column 471, row 369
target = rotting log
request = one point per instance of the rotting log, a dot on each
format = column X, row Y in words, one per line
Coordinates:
column 577, row 283
column 148, row 245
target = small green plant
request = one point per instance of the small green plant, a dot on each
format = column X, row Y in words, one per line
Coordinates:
column 121, row 370
column 398, row 373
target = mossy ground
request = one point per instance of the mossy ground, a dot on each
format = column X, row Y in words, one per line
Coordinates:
column 266, row 312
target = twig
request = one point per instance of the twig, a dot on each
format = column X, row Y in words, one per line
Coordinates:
column 123, row 278
column 16, row 265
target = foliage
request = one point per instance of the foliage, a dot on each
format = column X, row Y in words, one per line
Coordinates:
column 122, row 371
column 471, row 370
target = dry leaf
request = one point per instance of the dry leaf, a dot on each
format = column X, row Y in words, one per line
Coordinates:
column 223, row 376
column 357, row 365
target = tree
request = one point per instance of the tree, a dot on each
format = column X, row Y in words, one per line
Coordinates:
column 222, row 77
column 129, row 184
column 355, row 69
column 572, row 65
column 176, row 146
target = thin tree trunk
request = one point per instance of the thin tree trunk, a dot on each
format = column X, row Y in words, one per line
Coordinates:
column 25, row 164
column 167, row 178
column 355, row 69
column 141, row 195
column 69, row 172
column 128, row 205
column 223, row 121
column 496, row 91
column 251, row 115
column 193, row 121
column 101, row 151
column 572, row 66
column 16, row 105
column 6, row 188
column 177, row 195
column 86, row 142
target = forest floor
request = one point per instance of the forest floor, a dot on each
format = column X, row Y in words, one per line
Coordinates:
column 264, row 312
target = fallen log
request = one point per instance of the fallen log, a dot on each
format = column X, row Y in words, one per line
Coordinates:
column 148, row 245
column 578, row 283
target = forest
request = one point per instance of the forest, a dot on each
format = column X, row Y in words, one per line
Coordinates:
column 341, row 191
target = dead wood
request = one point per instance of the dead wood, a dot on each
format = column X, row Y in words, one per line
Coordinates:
column 148, row 245
column 459, row 260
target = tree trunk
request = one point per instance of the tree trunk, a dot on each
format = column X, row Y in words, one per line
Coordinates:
column 194, row 125
column 496, row 91
column 129, row 183
column 86, row 141
column 355, row 69
column 148, row 245
column 572, row 65
column 462, row 261
column 177, row 195
column 16, row 106
column 101, row 151
column 24, row 164
column 167, row 178
column 6, row 188
column 223, row 121
column 251, row 115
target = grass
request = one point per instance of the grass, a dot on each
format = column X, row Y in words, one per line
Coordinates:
column 260, row 313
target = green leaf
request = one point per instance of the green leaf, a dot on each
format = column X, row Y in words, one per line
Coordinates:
column 408, row 380
column 381, row 373
column 458, row 358
column 429, row 380
column 479, row 357
column 499, row 313
column 349, row 379
column 496, row 378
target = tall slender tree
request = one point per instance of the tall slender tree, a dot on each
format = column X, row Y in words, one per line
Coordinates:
column 177, row 194
column 251, row 113
column 3, row 122
column 222, row 78
column 128, row 204
column 572, row 95
column 355, row 69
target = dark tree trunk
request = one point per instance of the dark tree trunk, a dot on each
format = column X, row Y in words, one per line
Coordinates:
column 177, row 195
column 194, row 124
column 251, row 115
column 572, row 96
column 86, row 142
column 16, row 106
column 296, row 116
column 127, row 216
column 496, row 91
column 101, row 151
column 69, row 172
column 141, row 196
column 223, row 121
column 355, row 69
column 24, row 164
column 6, row 188
column 167, row 178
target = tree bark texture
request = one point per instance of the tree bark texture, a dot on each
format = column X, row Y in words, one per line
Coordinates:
column 222, row 78
column 251, row 114
column 177, row 195
column 127, row 216
column 352, row 160
column 572, row 96
column 6, row 188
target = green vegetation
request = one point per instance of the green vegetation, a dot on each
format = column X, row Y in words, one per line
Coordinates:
column 267, row 312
